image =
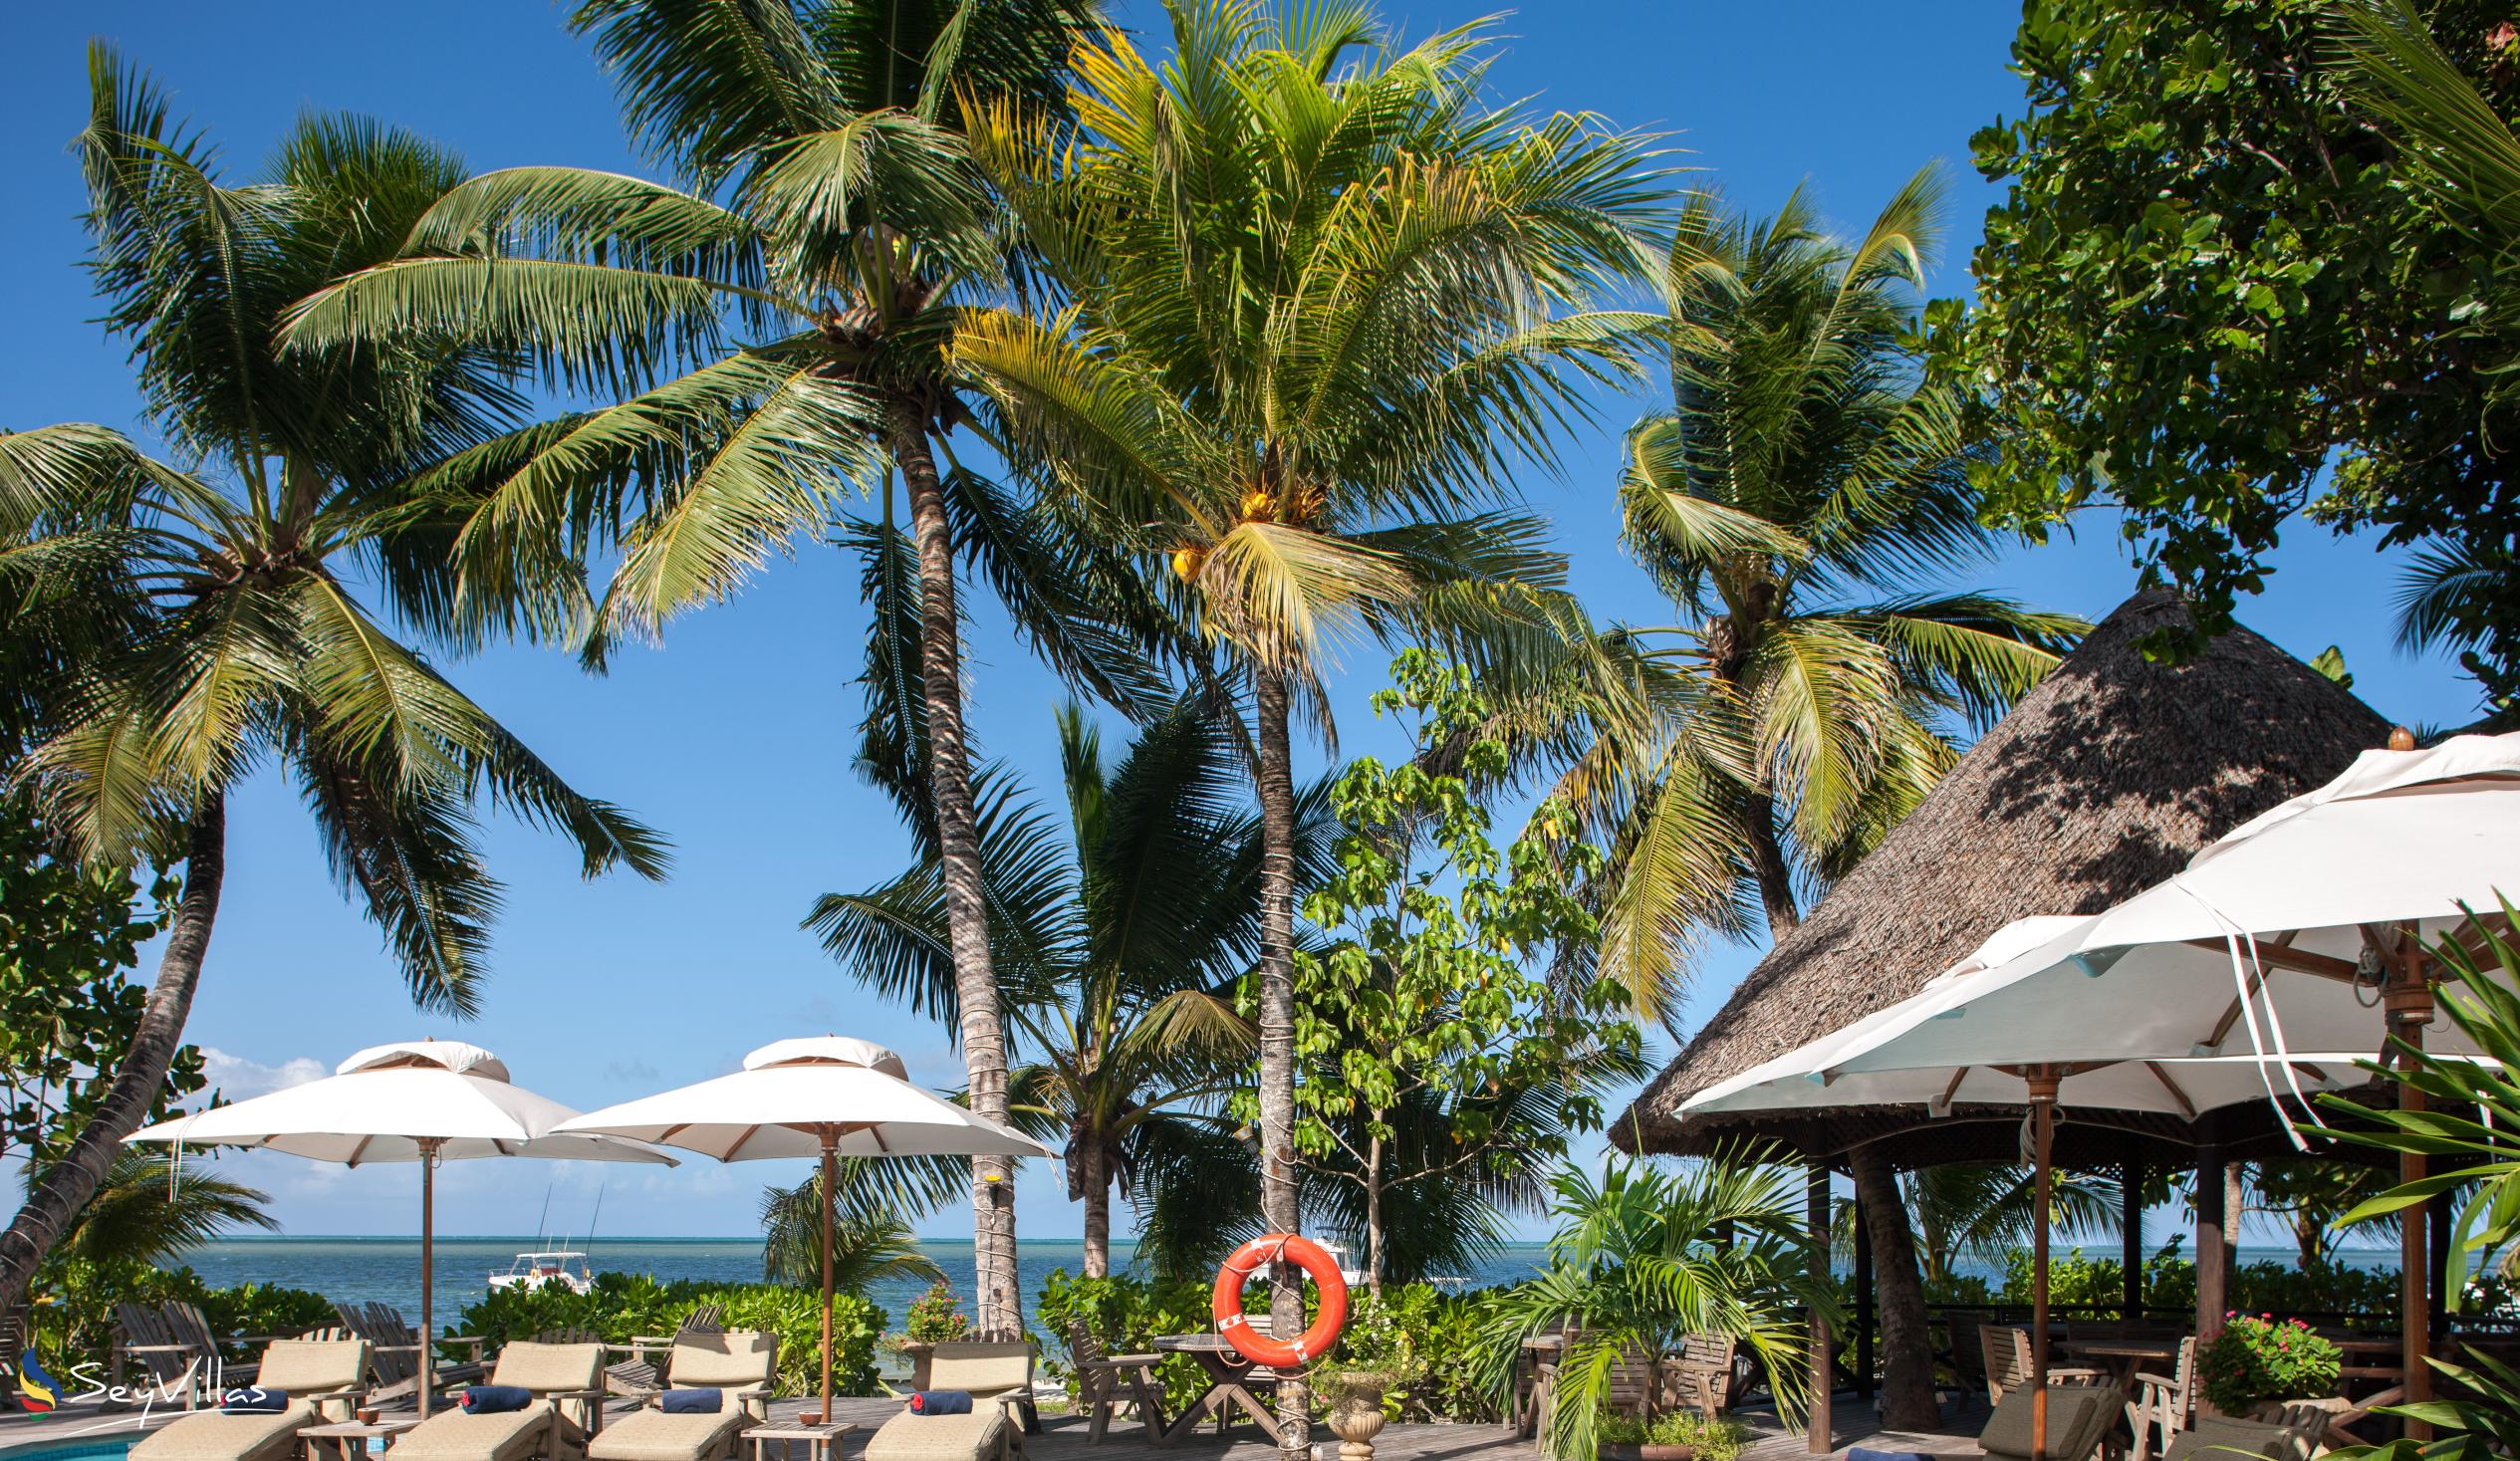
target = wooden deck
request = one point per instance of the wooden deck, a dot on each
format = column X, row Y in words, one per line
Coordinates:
column 1063, row 1437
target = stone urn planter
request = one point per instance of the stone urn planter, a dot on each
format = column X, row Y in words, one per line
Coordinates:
column 1356, row 1409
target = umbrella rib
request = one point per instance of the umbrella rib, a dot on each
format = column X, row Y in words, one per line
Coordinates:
column 2277, row 956
column 358, row 1151
column 1951, row 1090
column 749, row 1133
column 2186, row 1108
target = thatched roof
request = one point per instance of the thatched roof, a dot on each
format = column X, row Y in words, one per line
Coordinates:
column 2102, row 781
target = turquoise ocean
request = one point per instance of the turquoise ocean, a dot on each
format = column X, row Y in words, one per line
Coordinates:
column 358, row 1270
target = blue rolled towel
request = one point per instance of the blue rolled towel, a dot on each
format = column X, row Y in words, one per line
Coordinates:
column 254, row 1400
column 496, row 1399
column 940, row 1402
column 691, row 1402
column 1866, row 1453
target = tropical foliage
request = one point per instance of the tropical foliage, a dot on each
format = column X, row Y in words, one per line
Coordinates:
column 1640, row 1259
column 1797, row 502
column 1118, row 948
column 2216, row 274
column 1323, row 295
column 618, row 1306
column 771, row 329
column 1441, row 1060
column 238, row 637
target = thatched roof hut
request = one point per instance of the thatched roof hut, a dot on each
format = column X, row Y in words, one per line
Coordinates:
column 2102, row 781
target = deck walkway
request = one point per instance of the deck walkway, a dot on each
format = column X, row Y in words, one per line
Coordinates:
column 1063, row 1437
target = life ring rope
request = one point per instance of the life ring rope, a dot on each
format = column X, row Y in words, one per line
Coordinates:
column 1225, row 1306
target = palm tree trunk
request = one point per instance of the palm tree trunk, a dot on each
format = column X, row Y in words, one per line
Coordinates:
column 1908, row 1399
column 998, row 1305
column 1767, row 863
column 1098, row 1212
column 66, row 1185
column 1279, row 1204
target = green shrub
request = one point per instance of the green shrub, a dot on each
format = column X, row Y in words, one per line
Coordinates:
column 1126, row 1314
column 265, row 1309
column 618, row 1306
column 72, row 1317
column 2260, row 1359
column 1714, row 1440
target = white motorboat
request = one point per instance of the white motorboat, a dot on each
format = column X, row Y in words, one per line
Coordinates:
column 563, row 1268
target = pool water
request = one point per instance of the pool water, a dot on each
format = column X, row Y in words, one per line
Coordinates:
column 86, row 1448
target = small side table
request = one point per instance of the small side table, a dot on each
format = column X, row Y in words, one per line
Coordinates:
column 346, row 1440
column 821, row 1442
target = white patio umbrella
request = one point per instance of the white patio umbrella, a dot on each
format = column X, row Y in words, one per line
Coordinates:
column 417, row 1100
column 2304, row 929
column 1823, row 1073
column 819, row 1096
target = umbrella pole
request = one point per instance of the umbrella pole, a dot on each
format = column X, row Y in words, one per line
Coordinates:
column 2408, row 999
column 2043, row 1082
column 428, row 1276
column 831, row 1199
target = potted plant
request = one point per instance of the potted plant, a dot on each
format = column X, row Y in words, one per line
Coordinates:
column 1673, row 1435
column 1375, row 1361
column 2258, row 1358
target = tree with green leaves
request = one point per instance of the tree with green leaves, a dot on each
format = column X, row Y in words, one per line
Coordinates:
column 770, row 328
column 1798, row 503
column 2217, row 296
column 1323, row 298
column 1118, row 948
column 244, row 643
column 1421, row 998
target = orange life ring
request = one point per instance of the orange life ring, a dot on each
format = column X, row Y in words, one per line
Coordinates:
column 1313, row 1342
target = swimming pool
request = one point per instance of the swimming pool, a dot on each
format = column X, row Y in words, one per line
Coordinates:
column 84, row 1448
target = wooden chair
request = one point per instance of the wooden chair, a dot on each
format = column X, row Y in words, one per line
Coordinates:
column 2163, row 1403
column 1636, row 1380
column 395, row 1348
column 1099, row 1377
column 1701, row 1373
column 2007, row 1354
column 148, row 1339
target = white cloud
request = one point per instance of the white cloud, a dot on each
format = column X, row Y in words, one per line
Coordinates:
column 235, row 1078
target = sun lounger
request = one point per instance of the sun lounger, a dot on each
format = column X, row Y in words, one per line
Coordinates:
column 322, row 1380
column 983, row 1435
column 2080, row 1419
column 742, row 1367
column 999, row 1372
column 562, row 1377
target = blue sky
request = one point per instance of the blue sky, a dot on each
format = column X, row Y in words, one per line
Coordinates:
column 733, row 737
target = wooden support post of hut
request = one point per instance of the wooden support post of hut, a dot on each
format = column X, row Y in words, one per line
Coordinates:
column 1816, row 1216
column 2130, row 1230
column 2214, row 1275
column 1863, row 1305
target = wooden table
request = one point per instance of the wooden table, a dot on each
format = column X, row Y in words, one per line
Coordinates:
column 337, row 1436
column 1226, row 1371
column 821, row 1442
column 2122, row 1355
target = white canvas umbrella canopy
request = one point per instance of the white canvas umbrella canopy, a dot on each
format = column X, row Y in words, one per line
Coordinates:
column 823, row 1097
column 418, row 1100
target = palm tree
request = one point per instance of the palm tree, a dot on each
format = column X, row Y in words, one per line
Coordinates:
column 824, row 203
column 879, row 1198
column 141, row 1216
column 1795, row 504
column 245, row 639
column 1321, row 305
column 1805, row 461
column 1119, row 951
column 1643, row 1258
column 1982, row 1210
